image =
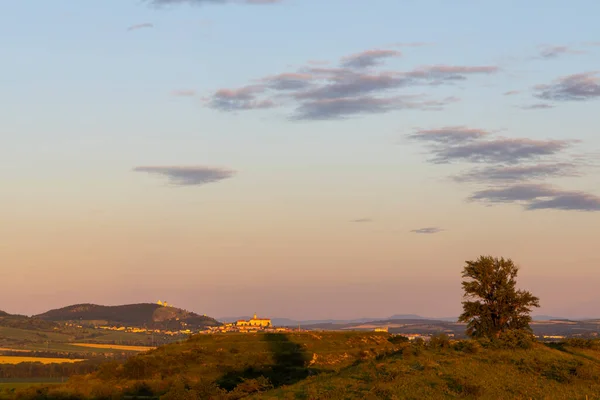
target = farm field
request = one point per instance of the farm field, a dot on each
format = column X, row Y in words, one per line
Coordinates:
column 30, row 335
column 17, row 350
column 112, row 347
column 43, row 360
column 9, row 384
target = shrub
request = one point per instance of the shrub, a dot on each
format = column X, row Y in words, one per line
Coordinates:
column 582, row 343
column 398, row 339
column 586, row 372
column 560, row 372
column 439, row 341
column 515, row 339
column 464, row 387
column 468, row 346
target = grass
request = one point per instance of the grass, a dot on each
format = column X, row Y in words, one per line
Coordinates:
column 113, row 347
column 43, row 360
column 9, row 384
column 342, row 365
column 17, row 334
column 119, row 337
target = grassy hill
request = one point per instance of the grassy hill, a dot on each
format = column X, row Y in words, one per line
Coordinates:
column 342, row 365
column 135, row 315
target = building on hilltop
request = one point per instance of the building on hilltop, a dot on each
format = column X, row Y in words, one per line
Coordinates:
column 254, row 322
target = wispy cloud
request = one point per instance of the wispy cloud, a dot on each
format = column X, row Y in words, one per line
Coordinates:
column 449, row 135
column 537, row 106
column 362, row 220
column 427, row 231
column 339, row 108
column 512, row 163
column 239, row 99
column 368, row 58
column 556, row 51
column 289, row 81
column 539, row 197
column 578, row 87
column 355, row 87
column 439, row 73
column 511, row 92
column 501, row 173
column 140, row 26
column 188, row 176
column 503, row 150
column 184, row 93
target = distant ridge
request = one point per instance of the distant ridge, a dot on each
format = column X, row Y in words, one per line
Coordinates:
column 278, row 321
column 23, row 322
column 548, row 318
column 148, row 315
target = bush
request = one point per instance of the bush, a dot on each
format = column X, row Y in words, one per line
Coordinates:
column 464, row 387
column 439, row 341
column 515, row 339
column 468, row 346
column 560, row 371
column 398, row 339
column 582, row 343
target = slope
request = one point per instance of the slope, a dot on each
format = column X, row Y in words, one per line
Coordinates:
column 342, row 365
column 135, row 315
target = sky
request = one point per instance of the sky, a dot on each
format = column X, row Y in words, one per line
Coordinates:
column 297, row 158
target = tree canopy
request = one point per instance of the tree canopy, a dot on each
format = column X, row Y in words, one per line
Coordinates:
column 492, row 303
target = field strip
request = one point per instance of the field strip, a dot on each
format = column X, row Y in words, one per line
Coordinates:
column 43, row 360
column 113, row 346
column 15, row 350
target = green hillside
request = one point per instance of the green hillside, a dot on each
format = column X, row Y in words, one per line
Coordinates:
column 341, row 365
column 135, row 315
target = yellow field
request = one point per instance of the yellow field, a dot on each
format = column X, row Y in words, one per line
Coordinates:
column 43, row 360
column 113, row 346
column 17, row 350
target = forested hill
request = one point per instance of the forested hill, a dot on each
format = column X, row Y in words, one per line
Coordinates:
column 24, row 322
column 135, row 315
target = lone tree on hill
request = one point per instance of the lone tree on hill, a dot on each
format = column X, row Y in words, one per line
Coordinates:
column 493, row 304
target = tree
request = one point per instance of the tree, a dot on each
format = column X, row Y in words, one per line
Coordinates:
column 493, row 305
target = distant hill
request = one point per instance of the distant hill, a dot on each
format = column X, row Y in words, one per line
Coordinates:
column 405, row 316
column 547, row 318
column 135, row 315
column 23, row 322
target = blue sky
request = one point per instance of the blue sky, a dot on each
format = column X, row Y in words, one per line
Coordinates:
column 152, row 143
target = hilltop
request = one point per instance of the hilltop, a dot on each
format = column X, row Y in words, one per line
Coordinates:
column 342, row 365
column 152, row 316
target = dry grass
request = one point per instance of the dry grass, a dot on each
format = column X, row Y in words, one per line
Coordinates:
column 43, row 360
column 113, row 346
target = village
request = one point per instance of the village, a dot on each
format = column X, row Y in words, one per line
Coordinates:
column 254, row 324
